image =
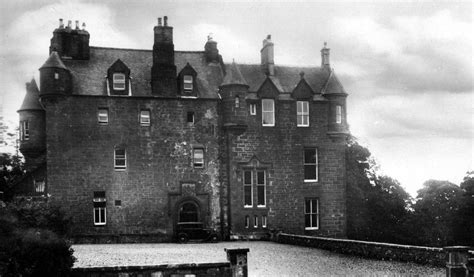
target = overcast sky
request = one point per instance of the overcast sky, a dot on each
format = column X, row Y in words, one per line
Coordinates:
column 407, row 66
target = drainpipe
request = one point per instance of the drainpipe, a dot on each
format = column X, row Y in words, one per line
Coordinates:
column 229, row 204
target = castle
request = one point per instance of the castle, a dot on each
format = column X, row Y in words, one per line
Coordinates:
column 132, row 142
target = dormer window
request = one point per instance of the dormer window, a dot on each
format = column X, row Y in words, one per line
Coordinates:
column 188, row 82
column 119, row 81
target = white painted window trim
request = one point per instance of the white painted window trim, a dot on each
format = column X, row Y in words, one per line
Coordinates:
column 120, row 167
column 253, row 109
column 300, row 113
column 251, row 187
column 317, row 165
column 310, row 213
column 272, row 112
column 264, row 185
column 119, row 81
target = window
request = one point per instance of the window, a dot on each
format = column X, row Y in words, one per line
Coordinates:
column 264, row 221
column 198, row 157
column 237, row 101
column 39, row 186
column 190, row 117
column 253, row 109
column 261, row 197
column 248, row 180
column 56, row 75
column 24, row 130
column 310, row 165
column 120, row 159
column 311, row 214
column 268, row 112
column 247, row 221
column 255, row 221
column 145, row 118
column 100, row 209
column 188, row 82
column 302, row 113
column 338, row 114
column 119, row 81
column 103, row 116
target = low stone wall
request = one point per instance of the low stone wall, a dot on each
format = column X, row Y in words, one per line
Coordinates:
column 205, row 269
column 373, row 250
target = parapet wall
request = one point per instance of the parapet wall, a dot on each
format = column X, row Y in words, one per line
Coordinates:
column 374, row 250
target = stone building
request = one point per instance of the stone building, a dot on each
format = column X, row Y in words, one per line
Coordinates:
column 130, row 142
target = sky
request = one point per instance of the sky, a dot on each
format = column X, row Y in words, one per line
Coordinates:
column 407, row 65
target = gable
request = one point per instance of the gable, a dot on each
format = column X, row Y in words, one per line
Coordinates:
column 302, row 90
column 267, row 89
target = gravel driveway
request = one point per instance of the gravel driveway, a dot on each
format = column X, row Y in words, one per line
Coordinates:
column 265, row 259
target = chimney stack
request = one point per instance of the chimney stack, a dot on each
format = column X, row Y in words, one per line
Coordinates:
column 165, row 20
column 69, row 22
column 61, row 23
column 83, row 26
column 159, row 21
column 77, row 24
column 268, row 64
column 325, row 57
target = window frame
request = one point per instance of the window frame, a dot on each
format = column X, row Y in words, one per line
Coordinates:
column 24, row 130
column 118, row 81
column 264, row 221
column 315, row 164
column 311, row 213
column 100, row 206
column 255, row 221
column 188, row 82
column 253, row 109
column 301, row 113
column 195, row 164
column 272, row 112
column 143, row 116
column 338, row 114
column 99, row 115
column 247, row 222
column 248, row 185
column 264, row 185
column 124, row 158
column 191, row 115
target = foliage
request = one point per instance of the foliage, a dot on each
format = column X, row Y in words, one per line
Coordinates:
column 28, row 248
column 11, row 170
column 464, row 227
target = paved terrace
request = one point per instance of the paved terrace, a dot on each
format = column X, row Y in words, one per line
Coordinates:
column 265, row 259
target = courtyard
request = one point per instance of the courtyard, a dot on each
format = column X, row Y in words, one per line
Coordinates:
column 265, row 259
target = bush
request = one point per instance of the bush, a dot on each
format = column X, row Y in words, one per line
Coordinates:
column 26, row 248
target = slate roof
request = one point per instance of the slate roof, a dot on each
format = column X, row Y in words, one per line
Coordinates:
column 31, row 100
column 89, row 76
column 54, row 61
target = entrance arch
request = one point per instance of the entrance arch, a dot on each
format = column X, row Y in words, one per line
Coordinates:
column 188, row 211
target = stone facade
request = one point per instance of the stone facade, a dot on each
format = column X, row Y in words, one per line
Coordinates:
column 178, row 136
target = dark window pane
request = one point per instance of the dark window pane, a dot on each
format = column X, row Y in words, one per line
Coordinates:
column 96, row 215
column 307, row 206
column 307, row 220
column 261, row 195
column 261, row 177
column 310, row 172
column 314, row 220
column 310, row 156
column 248, row 195
column 190, row 117
column 314, row 207
column 247, row 177
column 120, row 162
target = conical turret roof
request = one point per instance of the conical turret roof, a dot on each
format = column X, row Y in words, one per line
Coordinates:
column 233, row 76
column 31, row 100
column 333, row 85
column 54, row 61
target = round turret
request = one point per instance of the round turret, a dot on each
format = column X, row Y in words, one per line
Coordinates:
column 55, row 77
column 32, row 126
column 233, row 91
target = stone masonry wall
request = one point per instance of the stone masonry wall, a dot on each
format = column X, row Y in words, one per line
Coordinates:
column 141, row 199
column 280, row 151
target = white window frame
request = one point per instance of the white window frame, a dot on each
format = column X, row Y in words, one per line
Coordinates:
column 271, row 111
column 118, row 81
column 302, row 114
column 56, row 76
column 145, row 118
column 264, row 221
column 124, row 158
column 253, row 109
column 247, row 221
column 312, row 226
column 24, row 130
column 237, row 101
column 103, row 116
column 338, row 114
column 255, row 221
column 246, row 185
column 310, row 164
column 188, row 82
column 198, row 162
column 264, row 185
column 100, row 221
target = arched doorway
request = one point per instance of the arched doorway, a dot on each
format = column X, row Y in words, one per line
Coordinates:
column 188, row 212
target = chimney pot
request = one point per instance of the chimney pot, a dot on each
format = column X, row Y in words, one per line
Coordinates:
column 69, row 22
column 159, row 21
column 61, row 24
column 269, row 36
column 165, row 20
column 83, row 26
column 77, row 24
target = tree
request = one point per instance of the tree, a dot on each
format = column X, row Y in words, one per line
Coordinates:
column 436, row 211
column 464, row 227
column 11, row 170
